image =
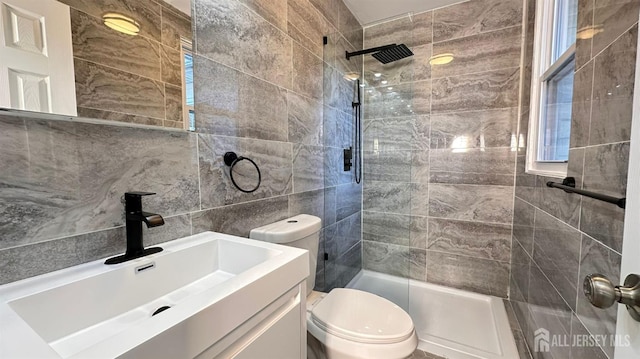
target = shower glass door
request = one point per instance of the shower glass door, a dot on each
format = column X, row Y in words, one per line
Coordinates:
column 389, row 130
column 379, row 209
column 342, row 234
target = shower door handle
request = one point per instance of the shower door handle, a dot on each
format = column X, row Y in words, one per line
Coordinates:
column 603, row 294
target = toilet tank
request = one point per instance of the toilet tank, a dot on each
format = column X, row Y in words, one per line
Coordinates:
column 301, row 231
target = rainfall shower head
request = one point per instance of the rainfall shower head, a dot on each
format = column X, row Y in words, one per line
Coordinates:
column 385, row 54
column 392, row 54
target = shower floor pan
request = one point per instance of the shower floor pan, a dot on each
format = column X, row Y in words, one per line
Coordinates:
column 452, row 323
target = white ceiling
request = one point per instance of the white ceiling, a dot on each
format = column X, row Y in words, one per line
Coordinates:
column 367, row 11
column 182, row 5
column 370, row 11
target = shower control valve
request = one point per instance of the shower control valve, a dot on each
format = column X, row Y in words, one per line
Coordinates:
column 348, row 155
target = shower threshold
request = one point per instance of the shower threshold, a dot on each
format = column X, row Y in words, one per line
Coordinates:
column 449, row 322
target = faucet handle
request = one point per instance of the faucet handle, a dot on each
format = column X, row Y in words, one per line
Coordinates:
column 133, row 201
column 134, row 194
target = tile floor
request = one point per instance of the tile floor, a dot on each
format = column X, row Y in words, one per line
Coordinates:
column 419, row 354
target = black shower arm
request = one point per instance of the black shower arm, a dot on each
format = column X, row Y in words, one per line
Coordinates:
column 368, row 51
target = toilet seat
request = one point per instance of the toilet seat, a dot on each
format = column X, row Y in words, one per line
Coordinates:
column 361, row 317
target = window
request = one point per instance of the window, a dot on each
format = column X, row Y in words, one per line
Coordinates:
column 187, row 78
column 552, row 87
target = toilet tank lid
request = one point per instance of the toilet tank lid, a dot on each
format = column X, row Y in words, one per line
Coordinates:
column 288, row 230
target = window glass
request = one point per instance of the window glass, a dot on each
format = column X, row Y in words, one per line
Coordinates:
column 188, row 86
column 565, row 27
column 192, row 120
column 556, row 124
column 188, row 73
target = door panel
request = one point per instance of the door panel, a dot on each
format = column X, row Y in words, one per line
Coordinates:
column 23, row 31
column 36, row 57
column 29, row 92
column 628, row 329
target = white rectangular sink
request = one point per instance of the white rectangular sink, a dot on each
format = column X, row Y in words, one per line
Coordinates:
column 97, row 310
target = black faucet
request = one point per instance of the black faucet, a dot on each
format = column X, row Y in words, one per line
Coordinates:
column 135, row 216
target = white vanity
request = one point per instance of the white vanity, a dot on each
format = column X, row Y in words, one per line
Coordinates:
column 228, row 297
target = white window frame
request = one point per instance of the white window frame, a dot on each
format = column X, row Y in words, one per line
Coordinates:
column 542, row 71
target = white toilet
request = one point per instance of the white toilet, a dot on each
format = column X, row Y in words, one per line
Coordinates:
column 345, row 323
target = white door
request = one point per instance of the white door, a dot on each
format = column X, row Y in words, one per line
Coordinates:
column 627, row 327
column 36, row 57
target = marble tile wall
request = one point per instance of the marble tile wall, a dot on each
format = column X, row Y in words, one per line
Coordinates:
column 136, row 79
column 61, row 182
column 560, row 238
column 439, row 146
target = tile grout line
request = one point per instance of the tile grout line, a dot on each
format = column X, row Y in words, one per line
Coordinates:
column 128, row 114
column 578, row 281
column 452, row 76
column 437, row 251
column 547, row 278
column 197, row 139
column 158, row 80
column 599, row 145
column 62, row 238
column 88, row 232
column 495, row 109
column 591, row 334
column 567, row 224
column 593, row 85
column 482, row 32
column 613, row 41
column 584, row 163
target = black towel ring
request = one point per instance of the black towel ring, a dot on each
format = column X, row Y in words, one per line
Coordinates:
column 231, row 159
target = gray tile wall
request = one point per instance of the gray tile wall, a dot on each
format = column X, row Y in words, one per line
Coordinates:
column 439, row 146
column 560, row 238
column 136, row 79
column 62, row 183
column 256, row 93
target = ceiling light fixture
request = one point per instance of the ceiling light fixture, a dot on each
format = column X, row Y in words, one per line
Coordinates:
column 351, row 76
column 589, row 32
column 441, row 59
column 121, row 23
